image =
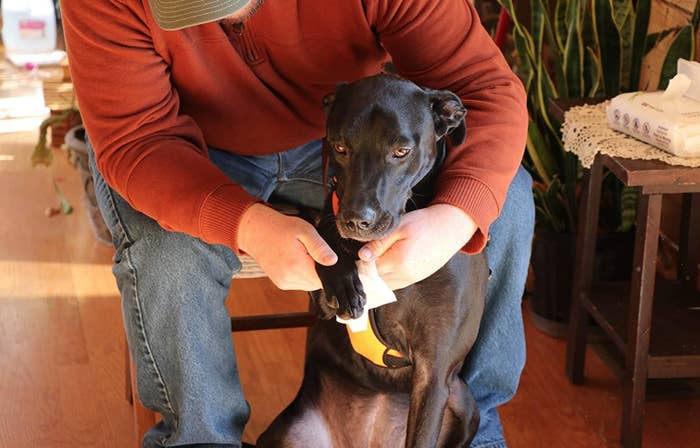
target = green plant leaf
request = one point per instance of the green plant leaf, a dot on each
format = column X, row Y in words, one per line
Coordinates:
column 609, row 43
column 525, row 62
column 510, row 9
column 572, row 8
column 557, row 39
column 545, row 92
column 542, row 27
column 528, row 45
column 641, row 26
column 594, row 72
column 624, row 18
column 540, row 154
column 66, row 208
column 653, row 38
column 682, row 47
column 546, row 89
column 573, row 51
column 538, row 19
column 41, row 155
column 530, row 49
column 560, row 30
column 628, row 208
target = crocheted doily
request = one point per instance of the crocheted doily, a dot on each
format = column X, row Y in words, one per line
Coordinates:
column 586, row 133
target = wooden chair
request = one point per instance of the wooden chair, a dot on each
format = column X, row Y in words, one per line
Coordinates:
column 144, row 418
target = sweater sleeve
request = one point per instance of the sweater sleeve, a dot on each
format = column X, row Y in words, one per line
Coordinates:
column 442, row 45
column 151, row 154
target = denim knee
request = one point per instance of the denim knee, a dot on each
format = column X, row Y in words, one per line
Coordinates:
column 515, row 225
column 509, row 249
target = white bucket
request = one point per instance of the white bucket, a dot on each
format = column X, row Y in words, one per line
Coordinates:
column 28, row 26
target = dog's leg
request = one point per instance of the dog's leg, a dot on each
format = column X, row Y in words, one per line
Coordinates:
column 428, row 400
column 302, row 428
column 461, row 417
column 301, row 424
column 342, row 289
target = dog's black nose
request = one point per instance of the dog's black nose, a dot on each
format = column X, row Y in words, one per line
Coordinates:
column 359, row 220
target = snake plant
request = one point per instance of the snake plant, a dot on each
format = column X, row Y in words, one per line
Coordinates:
column 588, row 48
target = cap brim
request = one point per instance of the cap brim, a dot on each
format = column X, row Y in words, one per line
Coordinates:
column 174, row 15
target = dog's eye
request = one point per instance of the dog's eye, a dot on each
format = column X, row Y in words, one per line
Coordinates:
column 401, row 152
column 340, row 149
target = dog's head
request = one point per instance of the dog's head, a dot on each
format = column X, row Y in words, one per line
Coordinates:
column 382, row 135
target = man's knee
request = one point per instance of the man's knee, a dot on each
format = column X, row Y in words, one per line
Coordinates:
column 519, row 206
column 512, row 231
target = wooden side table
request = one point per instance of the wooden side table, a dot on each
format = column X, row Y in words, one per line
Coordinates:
column 671, row 348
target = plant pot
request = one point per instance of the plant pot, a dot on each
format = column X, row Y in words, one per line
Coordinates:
column 552, row 263
column 59, row 130
column 77, row 148
column 553, row 266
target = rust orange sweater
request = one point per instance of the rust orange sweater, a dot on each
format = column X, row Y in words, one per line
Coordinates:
column 153, row 100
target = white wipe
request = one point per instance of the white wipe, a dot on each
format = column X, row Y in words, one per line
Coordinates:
column 376, row 291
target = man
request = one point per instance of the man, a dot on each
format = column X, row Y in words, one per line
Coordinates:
column 199, row 110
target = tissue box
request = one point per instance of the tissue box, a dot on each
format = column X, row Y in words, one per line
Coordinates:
column 669, row 120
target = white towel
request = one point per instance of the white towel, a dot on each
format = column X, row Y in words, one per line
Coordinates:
column 376, row 291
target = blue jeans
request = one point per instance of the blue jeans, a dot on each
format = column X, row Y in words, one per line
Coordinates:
column 173, row 289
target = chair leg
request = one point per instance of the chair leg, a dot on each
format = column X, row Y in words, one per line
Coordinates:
column 144, row 418
column 639, row 319
column 312, row 310
column 127, row 374
column 583, row 273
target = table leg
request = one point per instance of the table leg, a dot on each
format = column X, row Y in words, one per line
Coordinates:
column 690, row 240
column 639, row 318
column 583, row 272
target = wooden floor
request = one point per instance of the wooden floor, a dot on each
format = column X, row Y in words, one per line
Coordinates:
column 61, row 343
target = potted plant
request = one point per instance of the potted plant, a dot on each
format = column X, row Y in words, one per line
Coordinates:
column 58, row 123
column 583, row 49
column 67, row 133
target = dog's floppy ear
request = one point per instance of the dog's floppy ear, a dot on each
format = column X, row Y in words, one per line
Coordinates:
column 329, row 99
column 448, row 113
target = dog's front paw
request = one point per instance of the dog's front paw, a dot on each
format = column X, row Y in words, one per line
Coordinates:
column 345, row 292
column 342, row 293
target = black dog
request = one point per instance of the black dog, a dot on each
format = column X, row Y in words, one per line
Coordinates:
column 384, row 139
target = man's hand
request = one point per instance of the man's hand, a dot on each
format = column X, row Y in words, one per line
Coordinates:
column 285, row 247
column 422, row 243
